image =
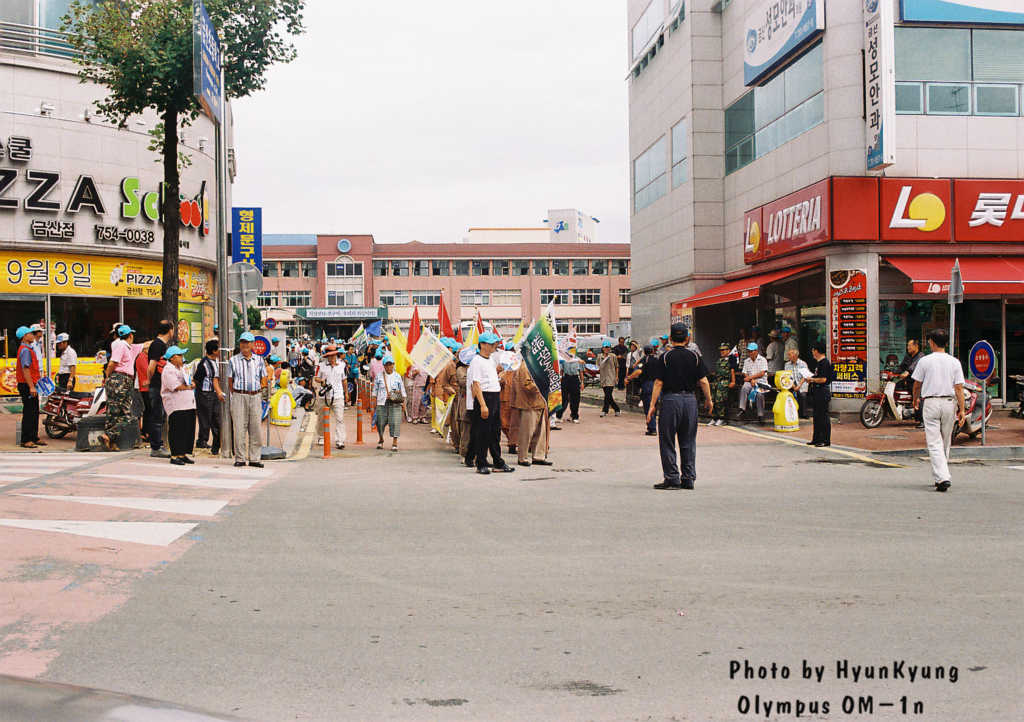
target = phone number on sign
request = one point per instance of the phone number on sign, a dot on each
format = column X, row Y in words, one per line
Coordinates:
column 128, row 235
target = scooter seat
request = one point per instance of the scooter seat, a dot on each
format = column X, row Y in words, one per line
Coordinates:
column 80, row 394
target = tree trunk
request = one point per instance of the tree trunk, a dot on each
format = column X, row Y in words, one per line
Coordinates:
column 171, row 217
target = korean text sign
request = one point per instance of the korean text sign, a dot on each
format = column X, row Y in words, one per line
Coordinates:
column 206, row 61
column 247, row 236
column 848, row 332
column 879, row 84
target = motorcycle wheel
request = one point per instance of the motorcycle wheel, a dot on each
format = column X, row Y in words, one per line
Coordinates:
column 872, row 414
column 55, row 432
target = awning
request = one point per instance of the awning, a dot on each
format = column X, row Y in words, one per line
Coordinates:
column 740, row 289
column 981, row 274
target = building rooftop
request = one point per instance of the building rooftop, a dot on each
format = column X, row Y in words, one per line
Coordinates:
column 289, row 239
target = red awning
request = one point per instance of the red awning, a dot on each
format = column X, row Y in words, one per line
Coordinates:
column 740, row 289
column 981, row 274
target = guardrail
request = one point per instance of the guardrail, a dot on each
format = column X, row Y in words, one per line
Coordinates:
column 32, row 40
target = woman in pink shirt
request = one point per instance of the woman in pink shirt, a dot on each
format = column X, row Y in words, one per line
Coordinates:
column 179, row 397
column 118, row 386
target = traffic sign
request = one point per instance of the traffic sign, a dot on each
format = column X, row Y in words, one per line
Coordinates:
column 271, row 323
column 245, row 283
column 982, row 360
column 261, row 346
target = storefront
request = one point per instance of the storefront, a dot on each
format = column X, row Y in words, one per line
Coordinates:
column 864, row 264
column 340, row 322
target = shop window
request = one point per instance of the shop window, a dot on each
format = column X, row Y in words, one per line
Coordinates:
column 520, row 268
column 599, row 268
column 439, row 268
column 270, row 269
column 580, row 268
column 461, row 268
column 560, row 267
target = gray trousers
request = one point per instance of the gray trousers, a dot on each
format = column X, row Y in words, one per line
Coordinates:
column 245, row 419
column 533, row 435
column 939, row 419
column 744, row 399
column 678, row 420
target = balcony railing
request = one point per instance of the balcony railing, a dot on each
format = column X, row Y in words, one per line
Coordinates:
column 31, row 40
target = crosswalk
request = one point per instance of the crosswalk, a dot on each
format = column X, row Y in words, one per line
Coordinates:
column 25, row 466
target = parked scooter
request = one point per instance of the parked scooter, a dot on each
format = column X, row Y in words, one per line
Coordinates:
column 897, row 404
column 64, row 408
column 1019, row 388
column 972, row 424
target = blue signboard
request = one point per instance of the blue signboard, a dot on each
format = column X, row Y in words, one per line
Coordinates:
column 247, row 236
column 982, row 360
column 995, row 12
column 775, row 30
column 206, row 59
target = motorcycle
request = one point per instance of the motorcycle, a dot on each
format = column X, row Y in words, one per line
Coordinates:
column 896, row 403
column 972, row 424
column 1019, row 387
column 63, row 409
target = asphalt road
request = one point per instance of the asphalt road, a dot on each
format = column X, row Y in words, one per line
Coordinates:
column 380, row 586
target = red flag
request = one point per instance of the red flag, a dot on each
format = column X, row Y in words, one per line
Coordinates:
column 459, row 337
column 479, row 324
column 443, row 321
column 414, row 330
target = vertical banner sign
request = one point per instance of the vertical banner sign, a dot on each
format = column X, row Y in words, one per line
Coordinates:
column 540, row 354
column 247, row 236
column 879, row 84
column 206, row 62
column 848, row 332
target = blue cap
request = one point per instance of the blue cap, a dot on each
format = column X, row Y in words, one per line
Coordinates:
column 606, row 344
column 22, row 330
column 173, row 351
column 305, row 351
column 124, row 330
column 664, row 337
column 276, row 339
column 379, row 354
column 753, row 347
column 216, row 326
column 389, row 359
column 654, row 342
column 489, row 337
column 274, row 359
column 246, row 337
column 786, row 329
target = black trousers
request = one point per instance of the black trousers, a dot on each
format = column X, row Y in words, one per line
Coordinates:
column 821, row 398
column 487, row 432
column 209, row 416
column 29, row 415
column 181, row 432
column 622, row 375
column 570, row 397
column 608, row 400
column 62, row 381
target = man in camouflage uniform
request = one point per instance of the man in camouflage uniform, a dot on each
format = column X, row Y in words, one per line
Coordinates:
column 725, row 379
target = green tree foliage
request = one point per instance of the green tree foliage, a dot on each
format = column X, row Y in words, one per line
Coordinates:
column 255, row 318
column 141, row 51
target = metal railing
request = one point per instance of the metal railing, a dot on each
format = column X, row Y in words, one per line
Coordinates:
column 32, row 40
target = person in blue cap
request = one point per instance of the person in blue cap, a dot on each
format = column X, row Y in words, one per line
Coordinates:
column 483, row 400
column 179, row 397
column 608, row 376
column 27, row 375
column 247, row 372
column 119, row 385
column 389, row 391
column 755, row 373
column 663, row 344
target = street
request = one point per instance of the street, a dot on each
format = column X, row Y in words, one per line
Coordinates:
column 404, row 586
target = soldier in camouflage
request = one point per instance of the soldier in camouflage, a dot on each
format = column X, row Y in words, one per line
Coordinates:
column 725, row 380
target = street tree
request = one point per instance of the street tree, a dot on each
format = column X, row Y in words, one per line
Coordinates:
column 141, row 51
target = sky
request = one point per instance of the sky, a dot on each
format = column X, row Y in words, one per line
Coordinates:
column 419, row 120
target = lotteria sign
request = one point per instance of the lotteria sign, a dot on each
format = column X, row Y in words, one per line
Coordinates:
column 790, row 224
column 993, row 12
column 775, row 30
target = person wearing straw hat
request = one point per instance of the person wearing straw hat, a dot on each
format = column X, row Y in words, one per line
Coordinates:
column 119, row 385
column 177, row 391
column 332, row 385
column 247, row 372
column 389, row 390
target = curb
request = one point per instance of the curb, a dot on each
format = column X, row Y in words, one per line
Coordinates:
column 962, row 453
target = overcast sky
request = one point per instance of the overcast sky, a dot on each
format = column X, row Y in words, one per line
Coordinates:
column 419, row 120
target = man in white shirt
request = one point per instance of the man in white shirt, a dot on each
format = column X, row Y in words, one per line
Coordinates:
column 68, row 363
column 332, row 377
column 798, row 368
column 755, row 368
column 939, row 393
column 483, row 401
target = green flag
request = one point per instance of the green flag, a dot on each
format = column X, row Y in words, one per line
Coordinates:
column 540, row 354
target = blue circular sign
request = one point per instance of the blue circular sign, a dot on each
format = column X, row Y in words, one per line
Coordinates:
column 344, row 245
column 982, row 360
column 271, row 323
column 261, row 346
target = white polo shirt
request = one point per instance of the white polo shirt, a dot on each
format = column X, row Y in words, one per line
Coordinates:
column 939, row 374
column 483, row 371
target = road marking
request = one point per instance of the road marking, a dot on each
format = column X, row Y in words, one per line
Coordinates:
column 1019, row 468
column 793, row 442
column 14, row 480
column 183, row 480
column 207, row 469
column 304, row 447
column 191, row 507
column 153, row 533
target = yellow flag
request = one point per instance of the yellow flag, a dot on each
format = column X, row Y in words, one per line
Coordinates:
column 519, row 332
column 474, row 337
column 402, row 361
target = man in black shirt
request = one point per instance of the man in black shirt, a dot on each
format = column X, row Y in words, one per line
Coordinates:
column 906, row 370
column 679, row 372
column 821, row 396
column 621, row 351
column 157, row 349
column 646, row 369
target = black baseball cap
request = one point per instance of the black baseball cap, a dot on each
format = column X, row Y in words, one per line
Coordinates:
column 679, row 331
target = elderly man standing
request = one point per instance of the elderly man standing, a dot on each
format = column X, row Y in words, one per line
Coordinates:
column 332, row 379
column 939, row 393
column 800, row 372
column 68, row 362
column 27, row 375
column 483, row 399
column 247, row 372
column 533, row 416
column 755, row 368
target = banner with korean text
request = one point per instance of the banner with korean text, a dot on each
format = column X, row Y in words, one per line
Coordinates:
column 247, row 236
column 540, row 354
column 430, row 354
column 848, row 313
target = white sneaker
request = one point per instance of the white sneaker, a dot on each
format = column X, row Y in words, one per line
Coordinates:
column 575, row 421
column 340, row 446
column 603, row 414
column 721, row 422
column 319, row 441
column 712, row 423
column 616, row 413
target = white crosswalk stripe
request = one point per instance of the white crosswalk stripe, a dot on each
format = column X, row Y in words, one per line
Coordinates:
column 214, row 483
column 20, row 466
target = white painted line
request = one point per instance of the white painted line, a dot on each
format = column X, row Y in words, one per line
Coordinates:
column 1018, row 468
column 7, row 464
column 14, row 479
column 153, row 533
column 191, row 507
column 182, row 480
column 208, row 470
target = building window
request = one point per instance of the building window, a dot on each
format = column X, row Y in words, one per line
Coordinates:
column 647, row 26
column 586, row 325
column 289, row 269
column 421, row 268
column 270, row 269
column 380, row 268
column 481, row 268
column 599, row 268
column 296, row 299
column 506, row 297
column 559, row 297
column 580, row 268
column 649, row 176
column 501, row 268
column 620, row 267
column 996, row 100
column 475, row 298
column 586, row 297
column 625, row 296
column 948, row 99
column 345, row 298
column 439, row 268
column 349, row 270
column 770, row 115
column 266, row 299
column 679, row 154
column 520, row 268
column 562, row 327
column 309, row 269
column 399, row 268
column 394, row 298
column 461, row 268
column 541, row 268
column 560, row 268
column 426, row 298
column 909, row 98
